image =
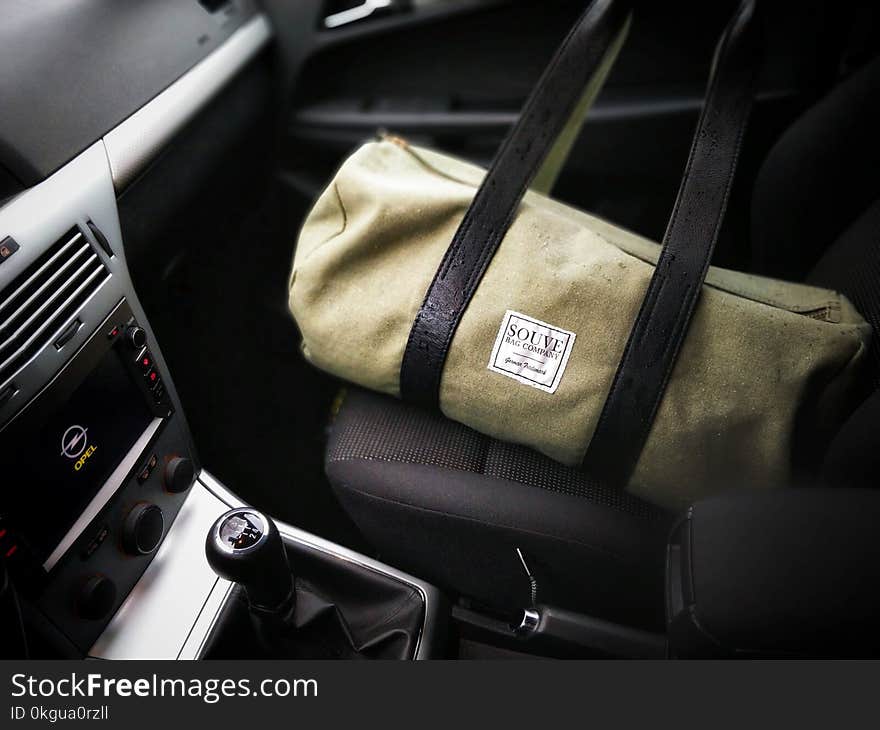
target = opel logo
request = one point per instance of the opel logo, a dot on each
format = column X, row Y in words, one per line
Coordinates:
column 73, row 442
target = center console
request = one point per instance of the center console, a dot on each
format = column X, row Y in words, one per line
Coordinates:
column 104, row 506
column 96, row 458
column 105, row 467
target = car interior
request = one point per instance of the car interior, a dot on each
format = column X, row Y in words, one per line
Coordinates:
column 157, row 161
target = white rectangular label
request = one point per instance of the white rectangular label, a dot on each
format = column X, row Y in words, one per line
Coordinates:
column 531, row 351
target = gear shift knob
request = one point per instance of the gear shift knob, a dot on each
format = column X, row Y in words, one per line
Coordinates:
column 244, row 546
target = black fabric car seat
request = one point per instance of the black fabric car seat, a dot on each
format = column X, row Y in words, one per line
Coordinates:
column 453, row 506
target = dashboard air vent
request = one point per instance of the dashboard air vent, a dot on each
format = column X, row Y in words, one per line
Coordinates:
column 45, row 298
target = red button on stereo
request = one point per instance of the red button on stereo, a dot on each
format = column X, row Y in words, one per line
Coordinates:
column 145, row 360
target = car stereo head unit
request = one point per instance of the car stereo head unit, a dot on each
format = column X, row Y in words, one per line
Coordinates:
column 95, row 468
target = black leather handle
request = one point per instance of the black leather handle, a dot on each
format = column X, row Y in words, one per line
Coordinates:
column 665, row 314
column 663, row 319
column 483, row 227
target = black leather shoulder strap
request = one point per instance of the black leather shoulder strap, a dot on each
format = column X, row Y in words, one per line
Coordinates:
column 490, row 214
column 662, row 322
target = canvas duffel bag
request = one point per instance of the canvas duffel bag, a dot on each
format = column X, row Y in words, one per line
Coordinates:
column 423, row 276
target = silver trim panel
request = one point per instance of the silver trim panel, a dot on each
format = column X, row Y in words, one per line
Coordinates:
column 111, row 486
column 178, row 594
column 137, row 140
column 430, row 594
column 174, row 606
column 355, row 14
column 201, row 630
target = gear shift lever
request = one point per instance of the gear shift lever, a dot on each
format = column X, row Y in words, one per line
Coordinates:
column 244, row 546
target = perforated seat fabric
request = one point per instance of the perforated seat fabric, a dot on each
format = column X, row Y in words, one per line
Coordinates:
column 404, row 434
column 451, row 505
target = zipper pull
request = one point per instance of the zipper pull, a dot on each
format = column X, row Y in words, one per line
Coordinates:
column 386, row 136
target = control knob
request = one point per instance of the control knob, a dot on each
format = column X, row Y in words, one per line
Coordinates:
column 95, row 597
column 143, row 529
column 179, row 474
column 136, row 337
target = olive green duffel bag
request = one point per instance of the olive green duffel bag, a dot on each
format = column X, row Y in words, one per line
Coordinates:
column 422, row 276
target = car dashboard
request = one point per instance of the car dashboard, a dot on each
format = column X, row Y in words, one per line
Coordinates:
column 105, row 503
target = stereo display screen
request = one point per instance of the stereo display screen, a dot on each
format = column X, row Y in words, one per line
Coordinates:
column 61, row 466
